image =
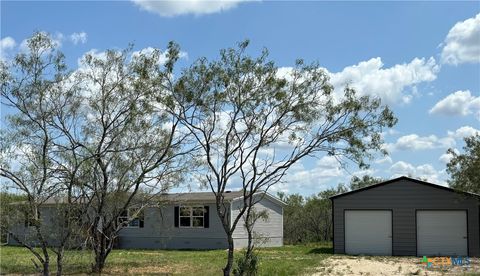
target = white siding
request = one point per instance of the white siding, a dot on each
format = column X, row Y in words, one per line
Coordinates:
column 270, row 231
column 159, row 231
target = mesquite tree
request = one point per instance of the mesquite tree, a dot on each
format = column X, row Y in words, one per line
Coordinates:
column 134, row 147
column 252, row 124
column 99, row 137
column 31, row 85
column 35, row 153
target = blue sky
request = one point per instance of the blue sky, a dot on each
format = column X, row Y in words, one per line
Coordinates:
column 422, row 58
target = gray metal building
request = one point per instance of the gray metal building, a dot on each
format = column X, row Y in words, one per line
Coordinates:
column 406, row 217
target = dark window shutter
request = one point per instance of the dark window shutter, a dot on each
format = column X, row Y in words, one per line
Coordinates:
column 205, row 218
column 176, row 214
column 141, row 219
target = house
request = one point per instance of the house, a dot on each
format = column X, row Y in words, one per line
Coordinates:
column 405, row 216
column 188, row 221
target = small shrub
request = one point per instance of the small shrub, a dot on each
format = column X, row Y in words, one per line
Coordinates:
column 247, row 266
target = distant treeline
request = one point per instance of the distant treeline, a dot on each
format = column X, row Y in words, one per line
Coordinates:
column 309, row 219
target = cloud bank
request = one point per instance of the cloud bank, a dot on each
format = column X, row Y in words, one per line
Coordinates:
column 460, row 103
column 195, row 7
column 462, row 44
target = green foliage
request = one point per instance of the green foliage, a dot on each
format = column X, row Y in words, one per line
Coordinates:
column 7, row 198
column 247, row 265
column 309, row 219
column 8, row 211
column 464, row 168
column 364, row 181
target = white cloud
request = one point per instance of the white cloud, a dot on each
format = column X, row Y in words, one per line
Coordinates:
column 460, row 103
column 195, row 7
column 402, row 168
column 361, row 173
column 446, row 157
column 371, row 78
column 415, row 142
column 462, row 44
column 303, row 180
column 464, row 131
column 393, row 84
column 329, row 163
column 425, row 171
column 77, row 38
column 6, row 45
column 386, row 159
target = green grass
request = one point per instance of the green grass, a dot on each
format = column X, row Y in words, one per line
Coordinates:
column 286, row 260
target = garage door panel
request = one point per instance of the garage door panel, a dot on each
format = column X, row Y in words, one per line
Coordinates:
column 368, row 232
column 442, row 233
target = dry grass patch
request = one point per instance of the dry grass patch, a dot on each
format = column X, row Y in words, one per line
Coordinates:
column 367, row 265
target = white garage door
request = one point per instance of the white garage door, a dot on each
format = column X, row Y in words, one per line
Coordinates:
column 442, row 233
column 368, row 232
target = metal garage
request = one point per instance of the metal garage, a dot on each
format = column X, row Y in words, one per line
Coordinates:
column 406, row 217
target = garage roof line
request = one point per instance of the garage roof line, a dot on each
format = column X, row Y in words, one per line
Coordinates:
column 405, row 178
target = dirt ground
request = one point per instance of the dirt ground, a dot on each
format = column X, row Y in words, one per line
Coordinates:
column 365, row 265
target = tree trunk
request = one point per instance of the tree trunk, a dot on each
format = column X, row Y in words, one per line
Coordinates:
column 60, row 262
column 248, row 253
column 99, row 262
column 228, row 267
column 249, row 228
column 46, row 268
column 103, row 245
column 100, row 254
column 46, row 261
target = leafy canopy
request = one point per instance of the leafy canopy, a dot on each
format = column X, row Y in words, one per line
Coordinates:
column 464, row 168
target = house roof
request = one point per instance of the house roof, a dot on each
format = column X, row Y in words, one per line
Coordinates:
column 176, row 198
column 210, row 197
column 50, row 201
column 199, row 196
column 404, row 178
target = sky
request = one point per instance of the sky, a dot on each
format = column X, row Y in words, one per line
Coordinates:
column 420, row 58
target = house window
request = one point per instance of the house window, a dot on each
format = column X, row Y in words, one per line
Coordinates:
column 192, row 216
column 131, row 218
